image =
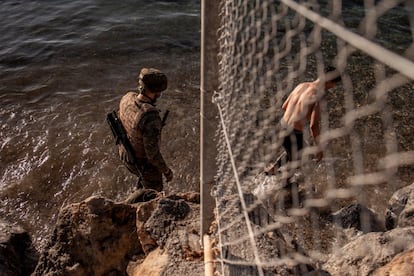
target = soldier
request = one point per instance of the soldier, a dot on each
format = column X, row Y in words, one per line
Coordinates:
column 142, row 123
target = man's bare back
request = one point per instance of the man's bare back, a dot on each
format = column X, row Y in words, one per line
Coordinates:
column 302, row 106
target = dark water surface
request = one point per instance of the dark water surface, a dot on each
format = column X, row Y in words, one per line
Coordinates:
column 63, row 66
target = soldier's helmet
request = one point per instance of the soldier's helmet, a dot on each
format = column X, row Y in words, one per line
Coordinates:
column 152, row 79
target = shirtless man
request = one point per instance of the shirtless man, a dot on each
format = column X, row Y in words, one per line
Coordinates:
column 302, row 106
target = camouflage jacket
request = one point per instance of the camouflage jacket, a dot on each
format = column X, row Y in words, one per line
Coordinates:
column 142, row 122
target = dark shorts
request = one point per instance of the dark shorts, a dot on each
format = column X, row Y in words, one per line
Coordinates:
column 293, row 144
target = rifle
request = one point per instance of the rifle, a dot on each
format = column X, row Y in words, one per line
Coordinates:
column 120, row 134
column 164, row 118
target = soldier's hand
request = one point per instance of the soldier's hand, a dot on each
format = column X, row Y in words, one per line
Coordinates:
column 169, row 175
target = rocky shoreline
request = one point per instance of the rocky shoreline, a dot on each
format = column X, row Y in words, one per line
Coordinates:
column 154, row 234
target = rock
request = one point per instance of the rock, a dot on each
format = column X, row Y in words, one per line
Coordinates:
column 162, row 220
column 153, row 265
column 357, row 216
column 402, row 264
column 406, row 217
column 317, row 272
column 93, row 237
column 401, row 199
column 17, row 254
column 175, row 225
column 100, row 237
column 144, row 212
column 368, row 252
column 192, row 197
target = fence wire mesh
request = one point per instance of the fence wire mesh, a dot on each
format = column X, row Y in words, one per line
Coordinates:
column 282, row 224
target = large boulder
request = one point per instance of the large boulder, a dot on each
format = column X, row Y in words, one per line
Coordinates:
column 164, row 219
column 402, row 264
column 159, row 236
column 366, row 253
column 406, row 217
column 357, row 216
column 153, row 265
column 144, row 212
column 93, row 237
column 400, row 208
column 17, row 254
column 168, row 229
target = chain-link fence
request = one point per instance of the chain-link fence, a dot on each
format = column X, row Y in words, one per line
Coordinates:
column 280, row 220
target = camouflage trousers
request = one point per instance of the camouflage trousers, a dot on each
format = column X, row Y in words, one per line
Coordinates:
column 149, row 177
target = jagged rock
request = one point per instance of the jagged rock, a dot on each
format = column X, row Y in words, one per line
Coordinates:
column 402, row 264
column 397, row 203
column 192, row 197
column 93, row 237
column 173, row 223
column 317, row 272
column 162, row 220
column 406, row 217
column 17, row 254
column 144, row 212
column 366, row 253
column 153, row 265
column 357, row 216
column 101, row 237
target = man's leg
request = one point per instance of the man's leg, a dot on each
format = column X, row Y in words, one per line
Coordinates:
column 134, row 169
column 293, row 148
column 298, row 145
column 293, row 144
column 287, row 145
column 282, row 159
column 152, row 178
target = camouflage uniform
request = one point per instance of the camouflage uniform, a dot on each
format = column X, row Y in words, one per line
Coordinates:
column 142, row 122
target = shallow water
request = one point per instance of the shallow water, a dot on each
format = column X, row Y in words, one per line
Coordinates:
column 64, row 65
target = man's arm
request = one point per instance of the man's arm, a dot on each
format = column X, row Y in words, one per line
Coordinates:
column 315, row 126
